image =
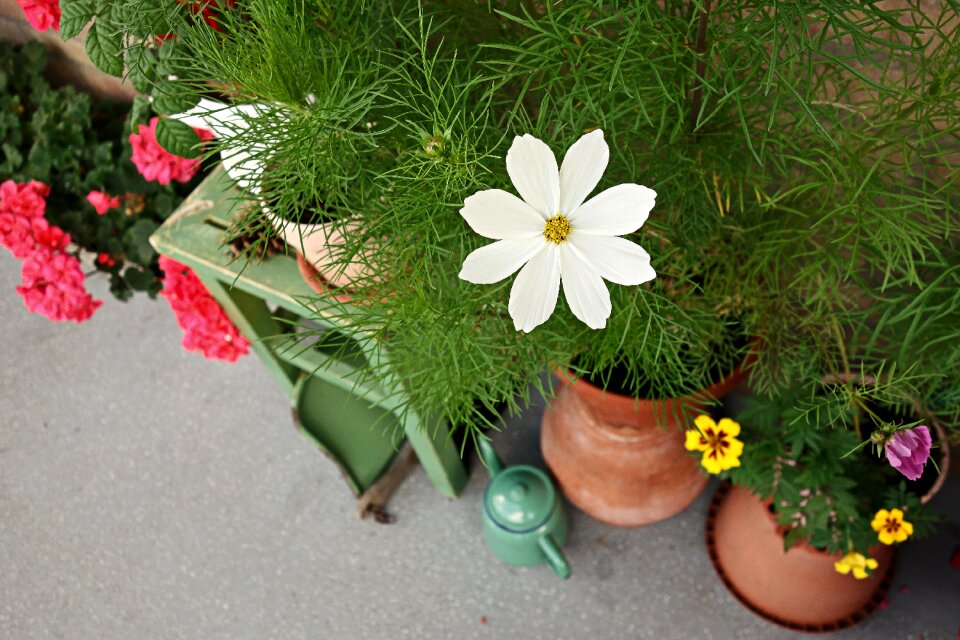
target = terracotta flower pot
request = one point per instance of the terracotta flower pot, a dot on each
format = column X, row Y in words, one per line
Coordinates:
column 320, row 284
column 322, row 247
column 799, row 588
column 619, row 459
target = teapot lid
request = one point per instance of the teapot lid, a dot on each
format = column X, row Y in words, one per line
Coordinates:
column 520, row 498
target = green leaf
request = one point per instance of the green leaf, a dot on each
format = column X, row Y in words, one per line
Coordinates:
column 169, row 59
column 173, row 97
column 74, row 16
column 140, row 279
column 13, row 155
column 140, row 68
column 137, row 238
column 104, row 44
column 119, row 288
column 178, row 138
column 139, row 112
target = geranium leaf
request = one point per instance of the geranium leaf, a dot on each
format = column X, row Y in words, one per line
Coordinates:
column 173, row 97
column 74, row 16
column 104, row 45
column 178, row 138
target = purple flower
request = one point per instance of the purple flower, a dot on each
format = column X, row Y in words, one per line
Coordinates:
column 908, row 450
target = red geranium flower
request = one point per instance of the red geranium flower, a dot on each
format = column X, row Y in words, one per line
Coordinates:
column 206, row 327
column 41, row 14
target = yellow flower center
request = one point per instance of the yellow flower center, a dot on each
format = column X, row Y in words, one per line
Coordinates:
column 892, row 525
column 557, row 229
column 715, row 442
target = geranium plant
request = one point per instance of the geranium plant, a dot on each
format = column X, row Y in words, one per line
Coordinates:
column 80, row 151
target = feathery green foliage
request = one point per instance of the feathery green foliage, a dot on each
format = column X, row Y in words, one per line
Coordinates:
column 805, row 156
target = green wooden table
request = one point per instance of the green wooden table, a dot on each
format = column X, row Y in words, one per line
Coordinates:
column 350, row 420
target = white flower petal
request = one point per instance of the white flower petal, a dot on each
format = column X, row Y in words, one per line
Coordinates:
column 533, row 171
column 615, row 259
column 582, row 168
column 584, row 289
column 614, row 212
column 534, row 294
column 496, row 261
column 494, row 213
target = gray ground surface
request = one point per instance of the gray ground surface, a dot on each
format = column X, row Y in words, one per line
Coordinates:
column 148, row 493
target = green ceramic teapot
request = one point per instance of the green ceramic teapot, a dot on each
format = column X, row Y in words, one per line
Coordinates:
column 523, row 519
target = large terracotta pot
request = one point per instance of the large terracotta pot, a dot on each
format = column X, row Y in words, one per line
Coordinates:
column 620, row 459
column 799, row 588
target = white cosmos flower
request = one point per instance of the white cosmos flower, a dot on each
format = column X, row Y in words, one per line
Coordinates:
column 557, row 237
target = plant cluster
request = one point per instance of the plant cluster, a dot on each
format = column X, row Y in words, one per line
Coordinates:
column 809, row 452
column 77, row 147
column 804, row 155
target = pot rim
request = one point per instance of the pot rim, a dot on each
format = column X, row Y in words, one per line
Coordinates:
column 629, row 403
column 320, row 284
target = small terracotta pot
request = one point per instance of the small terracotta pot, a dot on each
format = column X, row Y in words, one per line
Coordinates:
column 320, row 284
column 620, row 459
column 322, row 247
column 799, row 588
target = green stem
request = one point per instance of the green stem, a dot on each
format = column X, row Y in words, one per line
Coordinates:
column 701, row 49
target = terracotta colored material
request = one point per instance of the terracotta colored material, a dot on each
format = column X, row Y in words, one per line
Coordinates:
column 322, row 245
column 799, row 588
column 619, row 459
column 320, row 284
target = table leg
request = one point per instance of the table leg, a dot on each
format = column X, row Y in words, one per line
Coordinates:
column 437, row 453
column 255, row 322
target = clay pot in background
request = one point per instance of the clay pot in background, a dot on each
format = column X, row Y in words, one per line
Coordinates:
column 619, row 459
column 799, row 588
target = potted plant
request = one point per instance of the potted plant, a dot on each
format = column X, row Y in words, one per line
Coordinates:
column 88, row 178
column 789, row 204
column 828, row 480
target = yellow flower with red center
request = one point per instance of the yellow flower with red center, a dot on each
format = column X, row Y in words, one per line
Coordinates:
column 891, row 527
column 718, row 442
column 857, row 563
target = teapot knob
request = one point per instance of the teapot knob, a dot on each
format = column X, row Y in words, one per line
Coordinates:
column 519, row 491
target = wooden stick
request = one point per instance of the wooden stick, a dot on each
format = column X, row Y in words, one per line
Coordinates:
column 374, row 500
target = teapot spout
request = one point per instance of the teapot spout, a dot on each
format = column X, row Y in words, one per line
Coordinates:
column 490, row 457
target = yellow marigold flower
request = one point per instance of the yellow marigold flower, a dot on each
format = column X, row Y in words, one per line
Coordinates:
column 718, row 442
column 891, row 526
column 856, row 562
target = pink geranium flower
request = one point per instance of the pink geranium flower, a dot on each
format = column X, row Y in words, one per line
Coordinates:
column 206, row 327
column 908, row 450
column 22, row 207
column 102, row 201
column 156, row 163
column 53, row 285
column 27, row 199
column 18, row 234
column 41, row 14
